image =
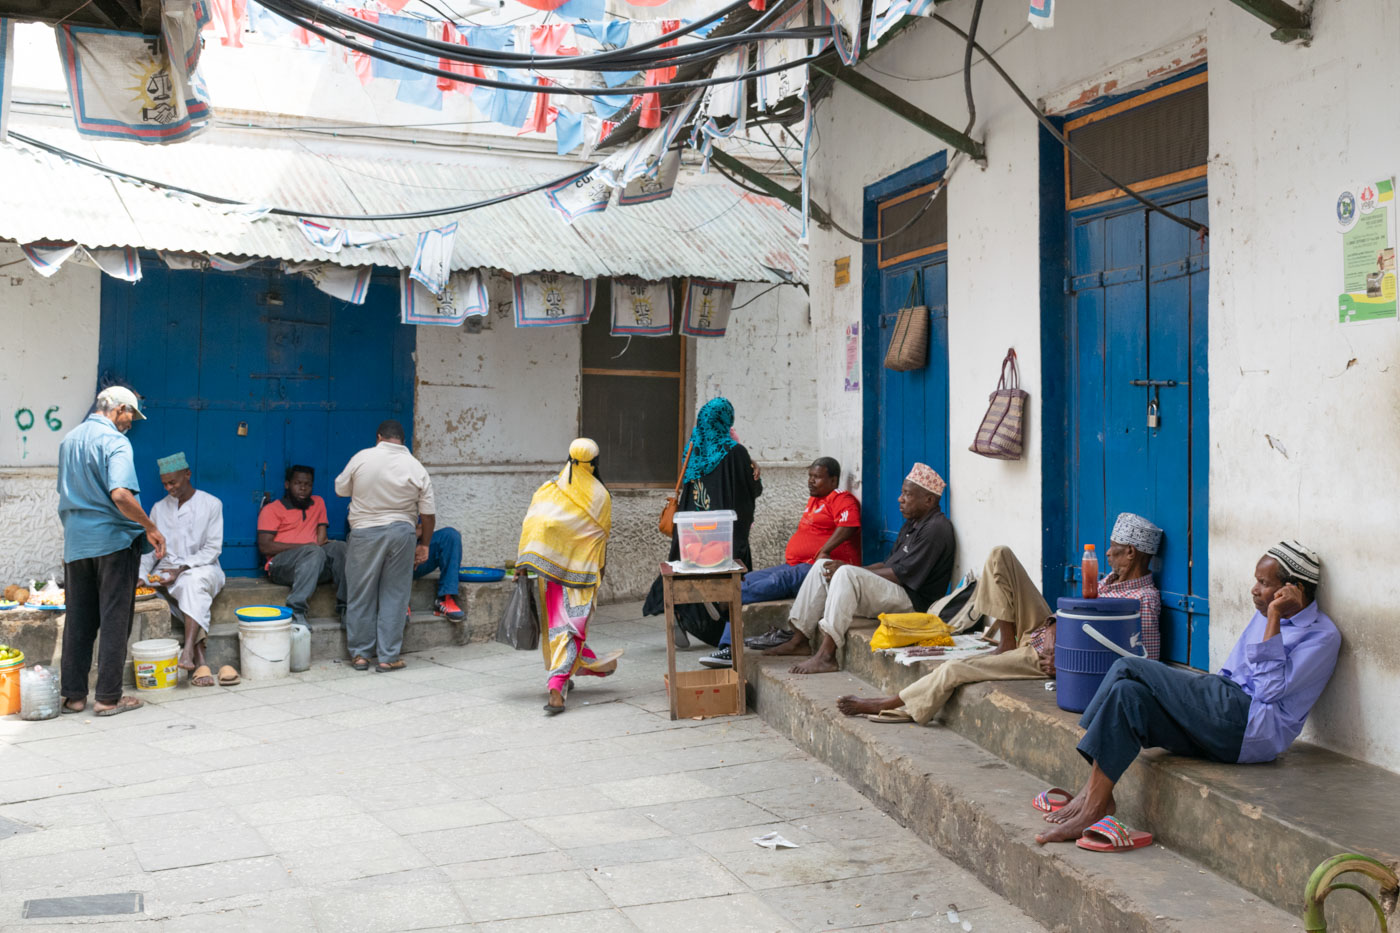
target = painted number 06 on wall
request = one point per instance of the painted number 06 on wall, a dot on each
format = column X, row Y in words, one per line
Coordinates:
column 24, row 420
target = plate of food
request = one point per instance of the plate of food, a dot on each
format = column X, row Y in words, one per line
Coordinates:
column 50, row 603
column 7, row 604
column 145, row 592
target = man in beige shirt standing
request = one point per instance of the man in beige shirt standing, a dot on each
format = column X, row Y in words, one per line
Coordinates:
column 389, row 493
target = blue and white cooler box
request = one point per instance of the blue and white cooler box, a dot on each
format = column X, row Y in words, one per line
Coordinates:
column 1081, row 660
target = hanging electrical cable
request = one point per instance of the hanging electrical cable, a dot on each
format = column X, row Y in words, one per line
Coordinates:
column 627, row 58
column 412, row 65
column 294, row 212
column 942, row 183
column 1054, row 131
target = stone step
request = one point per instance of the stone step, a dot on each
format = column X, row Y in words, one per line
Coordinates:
column 482, row 603
column 1264, row 827
column 975, row 808
column 39, row 634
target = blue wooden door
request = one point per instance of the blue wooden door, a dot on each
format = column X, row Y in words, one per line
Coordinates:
column 1138, row 289
column 248, row 372
column 911, row 408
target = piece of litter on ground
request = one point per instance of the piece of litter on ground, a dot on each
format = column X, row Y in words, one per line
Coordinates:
column 967, row 925
column 952, row 916
column 774, row 841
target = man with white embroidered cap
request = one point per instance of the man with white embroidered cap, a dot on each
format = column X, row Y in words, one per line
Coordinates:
column 1250, row 711
column 915, row 574
column 1024, row 625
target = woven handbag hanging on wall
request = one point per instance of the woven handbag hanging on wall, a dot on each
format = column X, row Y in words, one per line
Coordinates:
column 909, row 343
column 1000, row 434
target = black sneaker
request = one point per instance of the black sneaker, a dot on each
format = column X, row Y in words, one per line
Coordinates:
column 770, row 639
column 721, row 657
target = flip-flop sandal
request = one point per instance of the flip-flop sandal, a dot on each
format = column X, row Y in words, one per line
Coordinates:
column 67, row 710
column 391, row 667
column 122, row 707
column 890, row 716
column 202, row 673
column 553, row 710
column 1045, row 802
column 228, row 676
column 360, row 664
column 1109, row 835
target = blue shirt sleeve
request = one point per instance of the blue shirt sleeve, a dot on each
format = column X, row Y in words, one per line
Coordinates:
column 121, row 466
column 1294, row 683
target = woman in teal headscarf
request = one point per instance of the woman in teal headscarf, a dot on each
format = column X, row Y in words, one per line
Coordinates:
column 718, row 475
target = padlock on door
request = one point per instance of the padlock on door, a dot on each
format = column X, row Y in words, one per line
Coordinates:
column 1154, row 420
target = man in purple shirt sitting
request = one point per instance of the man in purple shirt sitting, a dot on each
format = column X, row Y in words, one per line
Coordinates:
column 1251, row 711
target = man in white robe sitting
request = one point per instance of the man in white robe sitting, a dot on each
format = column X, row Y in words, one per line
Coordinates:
column 189, row 575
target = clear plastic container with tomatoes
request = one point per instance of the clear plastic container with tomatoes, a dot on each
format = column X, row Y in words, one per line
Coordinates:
column 706, row 538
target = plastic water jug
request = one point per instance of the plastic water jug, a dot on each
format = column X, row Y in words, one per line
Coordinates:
column 301, row 648
column 1081, row 660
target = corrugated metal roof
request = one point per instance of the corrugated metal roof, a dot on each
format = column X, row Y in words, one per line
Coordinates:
column 705, row 229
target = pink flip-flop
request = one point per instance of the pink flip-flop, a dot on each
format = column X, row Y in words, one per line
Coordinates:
column 1044, row 801
column 1109, row 835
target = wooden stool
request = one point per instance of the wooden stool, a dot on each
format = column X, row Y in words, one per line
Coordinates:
column 701, row 586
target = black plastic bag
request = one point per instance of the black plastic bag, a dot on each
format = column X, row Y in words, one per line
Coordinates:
column 520, row 623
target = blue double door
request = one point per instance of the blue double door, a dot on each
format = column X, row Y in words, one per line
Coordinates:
column 247, row 372
column 1139, row 415
column 910, row 409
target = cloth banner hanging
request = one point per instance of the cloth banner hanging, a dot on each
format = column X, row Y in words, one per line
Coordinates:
column 656, row 187
column 224, row 264
column 7, row 70
column 586, row 194
column 707, row 305
column 1042, row 15
column 130, row 86
column 432, row 261
column 846, row 14
column 121, row 263
column 570, row 9
column 641, row 308
column 774, row 53
column 551, row 299
column 643, row 156
column 182, row 261
column 886, row 13
column 48, row 256
column 333, row 239
column 500, row 293
column 464, row 297
column 343, row 282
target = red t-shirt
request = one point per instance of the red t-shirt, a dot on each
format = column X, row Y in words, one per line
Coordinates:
column 819, row 521
column 293, row 526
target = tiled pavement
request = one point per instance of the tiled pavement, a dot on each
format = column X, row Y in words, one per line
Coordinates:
column 440, row 797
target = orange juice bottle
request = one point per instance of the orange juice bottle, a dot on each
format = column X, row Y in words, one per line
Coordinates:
column 1089, row 573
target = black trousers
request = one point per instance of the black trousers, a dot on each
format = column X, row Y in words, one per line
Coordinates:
column 101, row 600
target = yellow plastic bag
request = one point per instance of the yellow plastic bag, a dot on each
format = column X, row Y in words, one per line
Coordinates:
column 902, row 629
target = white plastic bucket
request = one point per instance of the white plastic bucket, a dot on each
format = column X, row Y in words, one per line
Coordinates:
column 301, row 648
column 156, row 664
column 265, row 648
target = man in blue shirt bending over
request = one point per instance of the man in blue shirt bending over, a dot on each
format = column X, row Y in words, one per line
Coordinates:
column 1249, row 712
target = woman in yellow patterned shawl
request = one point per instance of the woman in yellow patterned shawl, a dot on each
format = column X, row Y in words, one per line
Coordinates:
column 565, row 541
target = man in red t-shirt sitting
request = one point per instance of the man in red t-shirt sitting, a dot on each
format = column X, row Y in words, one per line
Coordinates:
column 292, row 538
column 829, row 528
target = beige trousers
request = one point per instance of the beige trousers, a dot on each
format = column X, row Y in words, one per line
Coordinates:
column 1006, row 592
column 927, row 695
column 852, row 591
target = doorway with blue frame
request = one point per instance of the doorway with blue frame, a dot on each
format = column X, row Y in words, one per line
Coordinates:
column 249, row 372
column 905, row 413
column 1129, row 334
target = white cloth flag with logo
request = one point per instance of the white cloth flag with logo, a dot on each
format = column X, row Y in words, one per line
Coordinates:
column 343, row 282
column 551, row 299
column 432, row 261
column 641, row 308
column 463, row 297
column 707, row 304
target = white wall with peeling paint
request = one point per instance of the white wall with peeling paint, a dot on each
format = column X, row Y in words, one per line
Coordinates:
column 1289, row 127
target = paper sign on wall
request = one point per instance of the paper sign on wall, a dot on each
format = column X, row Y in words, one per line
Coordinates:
column 853, row 357
column 1365, row 216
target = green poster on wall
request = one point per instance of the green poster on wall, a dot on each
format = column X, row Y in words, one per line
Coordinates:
column 1366, row 219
